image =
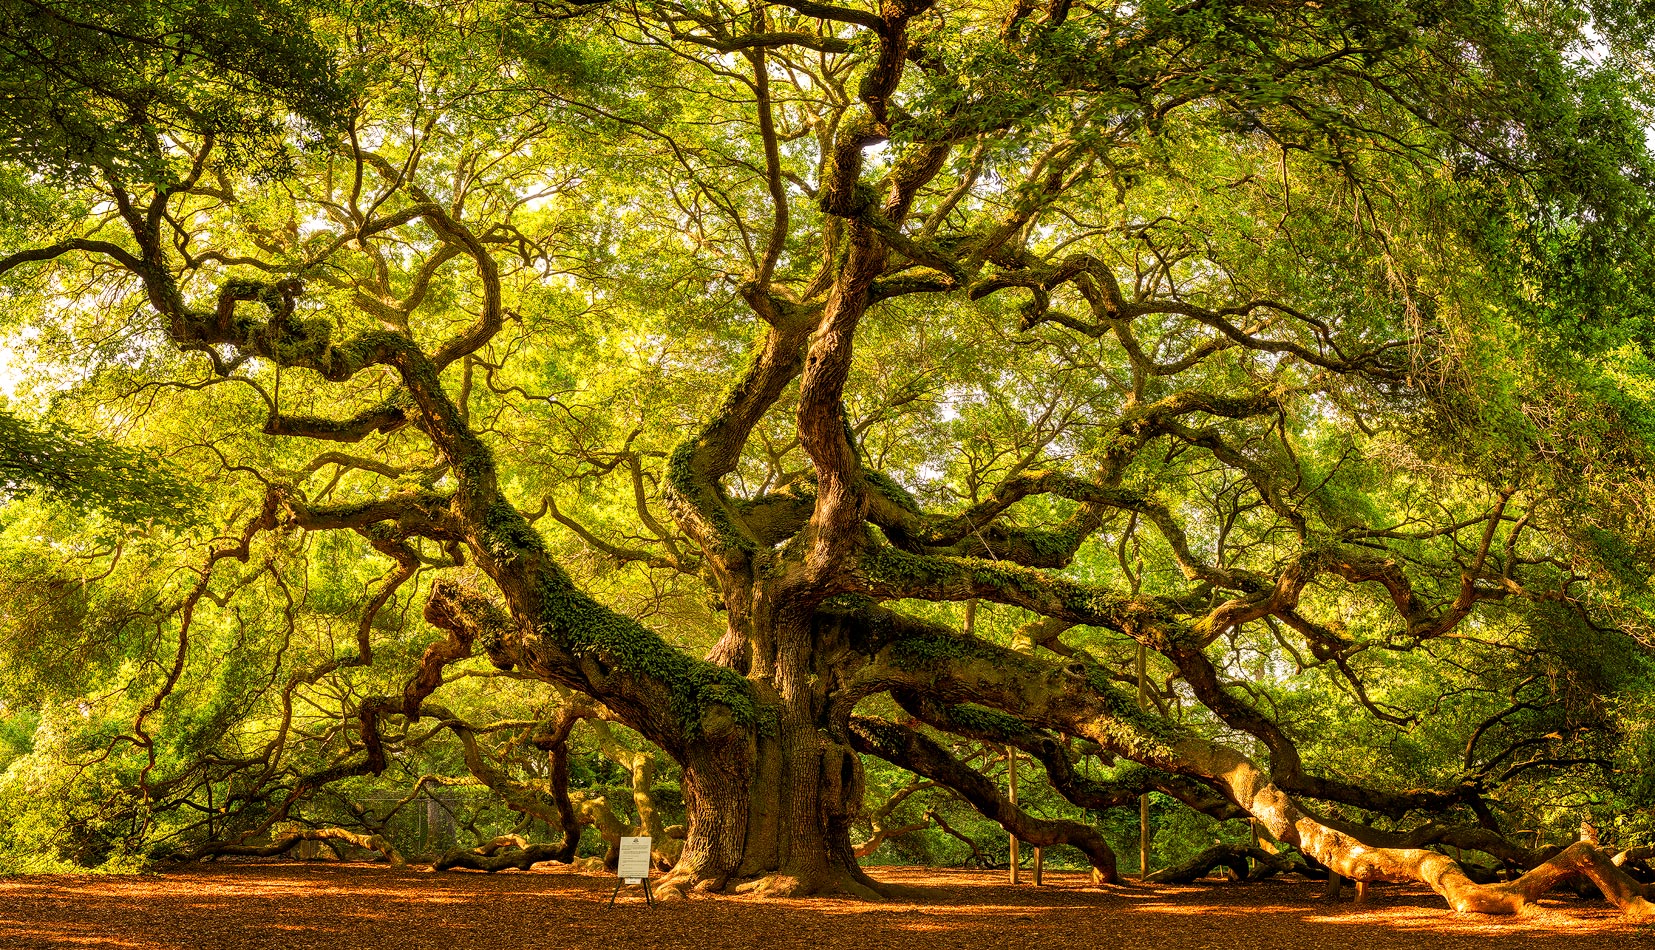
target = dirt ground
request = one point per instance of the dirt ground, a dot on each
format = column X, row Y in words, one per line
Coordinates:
column 317, row 906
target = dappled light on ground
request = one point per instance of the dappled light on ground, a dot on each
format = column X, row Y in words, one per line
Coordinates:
column 369, row 907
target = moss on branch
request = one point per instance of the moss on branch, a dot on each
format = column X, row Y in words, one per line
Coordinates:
column 935, row 661
column 703, row 500
column 699, row 693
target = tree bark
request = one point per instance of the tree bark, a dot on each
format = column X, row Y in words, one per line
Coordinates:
column 772, row 811
column 1231, row 856
column 291, row 840
column 916, row 655
column 501, row 854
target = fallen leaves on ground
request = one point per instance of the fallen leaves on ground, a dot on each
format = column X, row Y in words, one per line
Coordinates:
column 323, row 906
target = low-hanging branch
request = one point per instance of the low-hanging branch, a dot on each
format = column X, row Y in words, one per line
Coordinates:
column 911, row 750
column 289, row 840
column 943, row 663
column 1232, row 857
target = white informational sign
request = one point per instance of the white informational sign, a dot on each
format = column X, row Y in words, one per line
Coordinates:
column 634, row 864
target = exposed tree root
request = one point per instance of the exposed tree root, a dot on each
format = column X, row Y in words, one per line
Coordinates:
column 677, row 885
column 832, row 884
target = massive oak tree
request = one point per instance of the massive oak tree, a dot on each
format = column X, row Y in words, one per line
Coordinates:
column 953, row 351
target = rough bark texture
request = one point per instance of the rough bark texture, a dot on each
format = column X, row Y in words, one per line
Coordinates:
column 507, row 853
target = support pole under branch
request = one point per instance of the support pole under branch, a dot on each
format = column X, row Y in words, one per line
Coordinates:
column 1143, row 800
column 1011, row 795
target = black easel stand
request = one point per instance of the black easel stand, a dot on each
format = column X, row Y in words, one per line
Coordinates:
column 649, row 897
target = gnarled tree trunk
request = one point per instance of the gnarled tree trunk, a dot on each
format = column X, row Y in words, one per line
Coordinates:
column 773, row 814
